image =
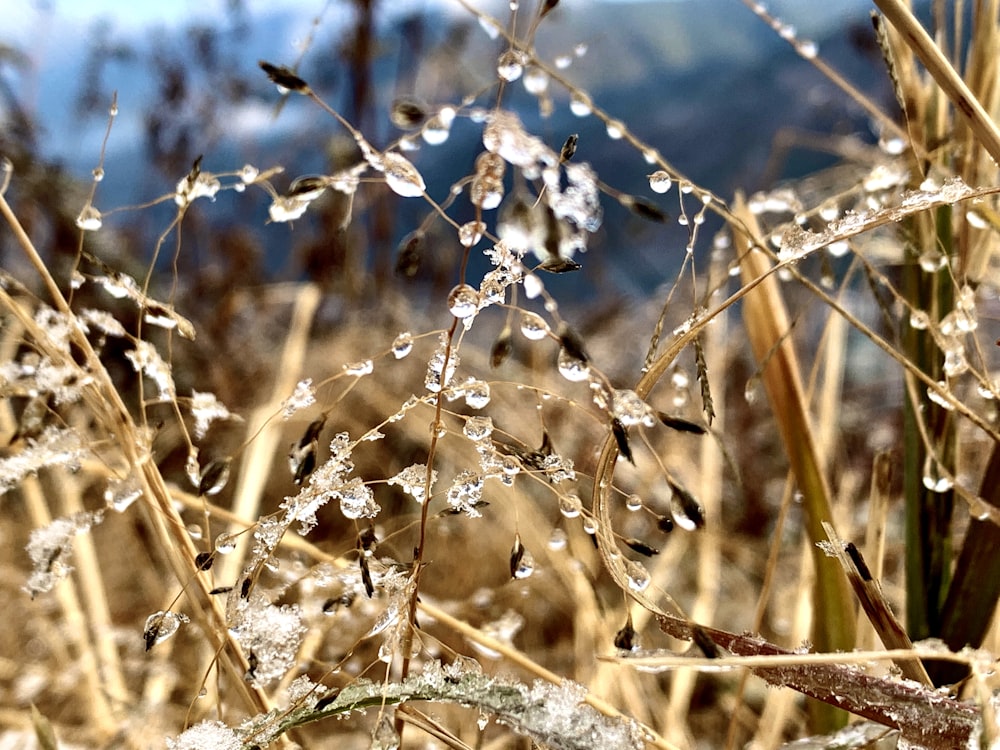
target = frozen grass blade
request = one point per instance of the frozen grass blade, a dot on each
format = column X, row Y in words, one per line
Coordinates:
column 766, row 325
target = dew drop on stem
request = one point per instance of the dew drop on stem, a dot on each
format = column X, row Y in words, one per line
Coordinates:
column 463, row 301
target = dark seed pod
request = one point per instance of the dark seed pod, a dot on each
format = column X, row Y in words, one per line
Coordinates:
column 569, row 148
column 665, row 524
column 409, row 254
column 621, row 437
column 645, row 209
column 859, row 562
column 502, row 348
column 625, row 638
column 245, row 588
column 283, row 77
column 681, row 425
column 214, row 477
column 558, row 264
column 641, row 547
column 571, row 343
column 407, row 114
column 204, row 560
column 366, row 576
column 307, row 187
column 326, row 700
column 220, row 590
column 305, row 465
column 367, row 539
column 689, row 505
column 516, row 554
column 704, row 642
column 547, row 7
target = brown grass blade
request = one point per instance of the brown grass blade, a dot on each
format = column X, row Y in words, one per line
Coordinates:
column 766, row 325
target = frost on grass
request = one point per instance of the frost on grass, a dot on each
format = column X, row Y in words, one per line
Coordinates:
column 207, row 734
column 146, row 360
column 303, row 396
column 554, row 716
column 206, row 408
column 50, row 549
column 55, row 446
column 269, row 635
column 413, row 481
column 330, row 482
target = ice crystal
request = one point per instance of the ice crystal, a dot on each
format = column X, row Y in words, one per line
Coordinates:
column 504, row 135
column 206, row 408
column 466, row 493
column 50, row 549
column 121, row 493
column 147, row 360
column 54, row 446
column 356, row 499
column 412, row 480
column 629, row 409
column 207, row 734
column 201, row 185
column 102, row 320
column 438, row 374
column 303, row 396
column 270, row 633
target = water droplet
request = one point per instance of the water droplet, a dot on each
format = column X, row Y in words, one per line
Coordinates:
column 225, row 543
column 401, row 176
column 935, row 478
column 470, row 233
column 955, row 362
column 563, row 61
column 510, row 65
column 536, row 80
column 477, row 394
column 161, row 625
column 533, row 286
column 249, row 173
column 616, row 130
column 590, row 525
column 358, row 369
column 580, row 104
column 402, row 345
column 436, row 131
column 919, row 320
column 570, row 505
column 751, row 392
column 838, row 249
column 463, row 301
column 533, row 326
column 195, row 532
column 482, row 721
column 633, row 503
column 638, row 576
column 121, row 493
column 571, row 368
column 938, row 398
column 89, row 219
column 932, row 261
column 525, row 566
column 478, row 428
column 558, row 539
column 659, row 181
column 489, row 26
column 808, row 49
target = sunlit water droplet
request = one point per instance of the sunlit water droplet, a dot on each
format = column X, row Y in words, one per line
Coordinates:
column 633, row 503
column 89, row 219
column 525, row 566
column 463, row 301
column 225, row 543
column 402, row 345
column 580, row 105
column 570, row 505
column 659, row 181
column 510, row 65
column 533, row 326
column 935, row 478
column 638, row 576
column 571, row 368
